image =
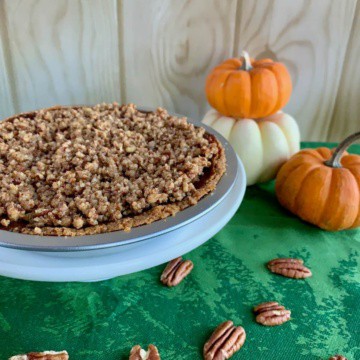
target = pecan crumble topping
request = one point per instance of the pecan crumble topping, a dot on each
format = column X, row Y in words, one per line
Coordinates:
column 65, row 170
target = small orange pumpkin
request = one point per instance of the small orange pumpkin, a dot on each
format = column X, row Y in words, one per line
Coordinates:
column 248, row 88
column 322, row 186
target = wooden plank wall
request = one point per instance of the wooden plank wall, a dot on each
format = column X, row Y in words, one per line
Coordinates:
column 158, row 53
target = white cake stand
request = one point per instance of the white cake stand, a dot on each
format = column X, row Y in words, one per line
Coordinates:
column 95, row 265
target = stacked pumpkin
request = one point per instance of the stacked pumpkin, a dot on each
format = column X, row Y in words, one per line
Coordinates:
column 247, row 96
column 320, row 186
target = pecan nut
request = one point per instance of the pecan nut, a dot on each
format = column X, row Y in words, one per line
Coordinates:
column 338, row 357
column 46, row 355
column 271, row 314
column 175, row 271
column 291, row 268
column 224, row 342
column 137, row 353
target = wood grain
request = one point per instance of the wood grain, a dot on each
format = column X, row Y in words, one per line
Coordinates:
column 346, row 116
column 158, row 53
column 253, row 24
column 6, row 98
column 63, row 52
column 310, row 37
column 170, row 46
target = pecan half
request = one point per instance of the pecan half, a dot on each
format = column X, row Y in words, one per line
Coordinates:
column 291, row 268
column 46, row 355
column 137, row 353
column 271, row 314
column 175, row 271
column 338, row 357
column 224, row 342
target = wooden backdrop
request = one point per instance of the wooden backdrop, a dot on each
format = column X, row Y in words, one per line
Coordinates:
column 158, row 52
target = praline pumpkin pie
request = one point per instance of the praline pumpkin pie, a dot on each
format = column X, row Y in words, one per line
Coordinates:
column 70, row 171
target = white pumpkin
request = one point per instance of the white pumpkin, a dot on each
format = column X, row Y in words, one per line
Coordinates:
column 263, row 145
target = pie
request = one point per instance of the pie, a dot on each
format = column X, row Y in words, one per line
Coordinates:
column 69, row 171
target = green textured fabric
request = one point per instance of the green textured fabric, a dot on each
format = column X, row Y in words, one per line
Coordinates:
column 102, row 321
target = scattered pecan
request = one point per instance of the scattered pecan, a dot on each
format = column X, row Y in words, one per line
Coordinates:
column 224, row 342
column 271, row 314
column 338, row 357
column 137, row 353
column 175, row 271
column 46, row 355
column 292, row 268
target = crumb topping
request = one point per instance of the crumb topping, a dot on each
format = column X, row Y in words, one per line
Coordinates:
column 80, row 167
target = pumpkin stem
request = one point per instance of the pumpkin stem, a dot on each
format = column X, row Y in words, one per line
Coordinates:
column 246, row 64
column 334, row 161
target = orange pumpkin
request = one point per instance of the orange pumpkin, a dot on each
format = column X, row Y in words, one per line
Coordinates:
column 248, row 88
column 322, row 186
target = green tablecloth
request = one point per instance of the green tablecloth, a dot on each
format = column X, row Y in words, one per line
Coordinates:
column 104, row 320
